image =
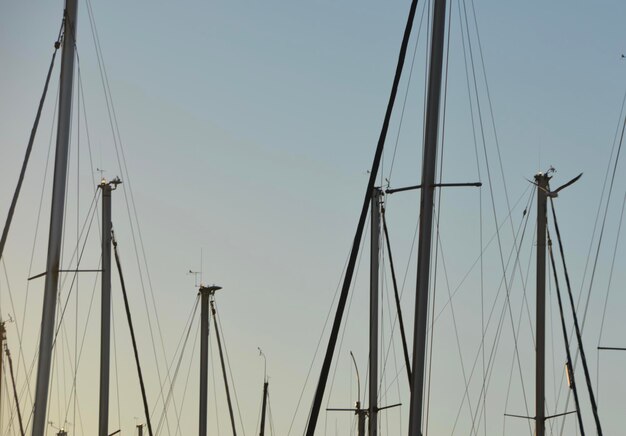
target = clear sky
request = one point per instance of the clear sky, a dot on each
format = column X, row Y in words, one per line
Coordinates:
column 248, row 129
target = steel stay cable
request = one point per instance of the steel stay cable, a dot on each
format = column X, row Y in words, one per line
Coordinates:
column 217, row 328
column 319, row 393
column 519, row 323
column 437, row 228
column 405, row 347
column 608, row 290
column 216, row 317
column 194, row 342
column 182, row 345
column 132, row 212
column 345, row 327
column 488, row 170
column 499, row 327
column 20, row 329
column 132, row 334
column 31, row 140
column 319, row 342
column 570, row 367
column 600, row 237
column 578, row 328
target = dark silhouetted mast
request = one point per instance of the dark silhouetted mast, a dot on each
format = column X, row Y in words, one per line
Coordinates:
column 429, row 161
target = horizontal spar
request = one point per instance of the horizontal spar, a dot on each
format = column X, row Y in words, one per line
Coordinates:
column 436, row 185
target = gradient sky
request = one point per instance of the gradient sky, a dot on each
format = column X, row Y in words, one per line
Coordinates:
column 248, row 129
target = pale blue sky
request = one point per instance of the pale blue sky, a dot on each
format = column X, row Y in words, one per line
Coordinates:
column 248, row 128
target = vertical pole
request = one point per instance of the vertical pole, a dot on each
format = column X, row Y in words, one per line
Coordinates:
column 2, row 339
column 105, row 310
column 15, row 396
column 264, row 408
column 540, row 415
column 374, row 268
column 361, row 420
column 140, row 430
column 219, row 346
column 204, row 357
column 429, row 161
column 56, row 221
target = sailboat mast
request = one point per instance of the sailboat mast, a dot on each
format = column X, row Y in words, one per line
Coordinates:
column 374, row 269
column 204, row 358
column 56, row 220
column 264, row 408
column 540, row 380
column 2, row 339
column 429, row 161
column 219, row 347
column 105, row 319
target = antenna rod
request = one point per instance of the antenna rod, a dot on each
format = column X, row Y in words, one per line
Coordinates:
column 219, row 346
column 55, row 238
column 429, row 161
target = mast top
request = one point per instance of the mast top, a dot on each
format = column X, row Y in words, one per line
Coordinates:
column 109, row 184
column 210, row 290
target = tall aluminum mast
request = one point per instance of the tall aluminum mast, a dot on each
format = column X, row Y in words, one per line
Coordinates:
column 56, row 220
column 429, row 160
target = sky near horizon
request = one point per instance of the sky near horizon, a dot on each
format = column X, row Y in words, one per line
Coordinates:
column 248, row 129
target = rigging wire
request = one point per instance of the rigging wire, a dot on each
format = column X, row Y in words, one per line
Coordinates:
column 221, row 355
column 182, row 345
column 217, row 419
column 319, row 342
column 569, row 367
column 488, row 167
column 578, row 329
column 490, row 361
column 193, row 349
column 435, row 260
column 616, row 143
column 21, row 359
column 343, row 332
column 405, row 347
column 319, row 393
column 406, row 93
column 137, row 238
column 608, row 289
column 29, row 148
column 132, row 334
